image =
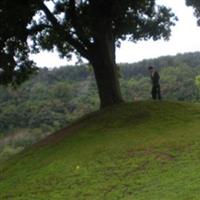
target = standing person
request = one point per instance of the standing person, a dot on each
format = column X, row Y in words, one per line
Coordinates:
column 155, row 77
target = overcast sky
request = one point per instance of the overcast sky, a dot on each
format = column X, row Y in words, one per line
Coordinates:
column 185, row 38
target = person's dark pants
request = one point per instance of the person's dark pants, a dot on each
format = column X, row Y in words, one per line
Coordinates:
column 155, row 92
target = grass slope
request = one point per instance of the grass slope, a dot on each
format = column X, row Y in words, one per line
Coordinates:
column 136, row 151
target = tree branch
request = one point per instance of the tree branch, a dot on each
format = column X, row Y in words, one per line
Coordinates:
column 60, row 30
column 37, row 29
column 74, row 20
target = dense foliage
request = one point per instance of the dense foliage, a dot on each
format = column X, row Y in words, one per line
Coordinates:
column 51, row 99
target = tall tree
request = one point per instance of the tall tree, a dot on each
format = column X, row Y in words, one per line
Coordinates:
column 89, row 28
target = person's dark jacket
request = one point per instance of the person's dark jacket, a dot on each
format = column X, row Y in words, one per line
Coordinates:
column 155, row 78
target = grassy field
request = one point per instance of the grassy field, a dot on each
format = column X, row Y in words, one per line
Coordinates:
column 136, row 151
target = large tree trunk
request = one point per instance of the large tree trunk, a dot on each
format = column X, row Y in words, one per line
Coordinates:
column 106, row 72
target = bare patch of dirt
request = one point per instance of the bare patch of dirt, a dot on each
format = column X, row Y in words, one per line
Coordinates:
column 159, row 156
column 136, row 153
column 164, row 157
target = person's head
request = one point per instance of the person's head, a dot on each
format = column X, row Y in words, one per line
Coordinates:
column 151, row 68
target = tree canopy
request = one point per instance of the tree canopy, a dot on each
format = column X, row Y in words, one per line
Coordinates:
column 88, row 28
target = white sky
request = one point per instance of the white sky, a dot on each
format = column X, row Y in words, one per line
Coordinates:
column 184, row 38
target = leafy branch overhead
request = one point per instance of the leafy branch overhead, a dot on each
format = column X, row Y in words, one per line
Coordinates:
column 87, row 28
column 73, row 26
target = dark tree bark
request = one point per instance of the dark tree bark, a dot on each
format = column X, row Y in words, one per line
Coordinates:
column 106, row 72
column 101, row 55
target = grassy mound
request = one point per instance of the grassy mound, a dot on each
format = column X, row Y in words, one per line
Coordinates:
column 135, row 151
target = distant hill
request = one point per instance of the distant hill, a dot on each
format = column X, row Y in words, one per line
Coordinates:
column 142, row 150
column 140, row 68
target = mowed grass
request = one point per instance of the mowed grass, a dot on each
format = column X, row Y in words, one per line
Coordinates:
column 135, row 151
